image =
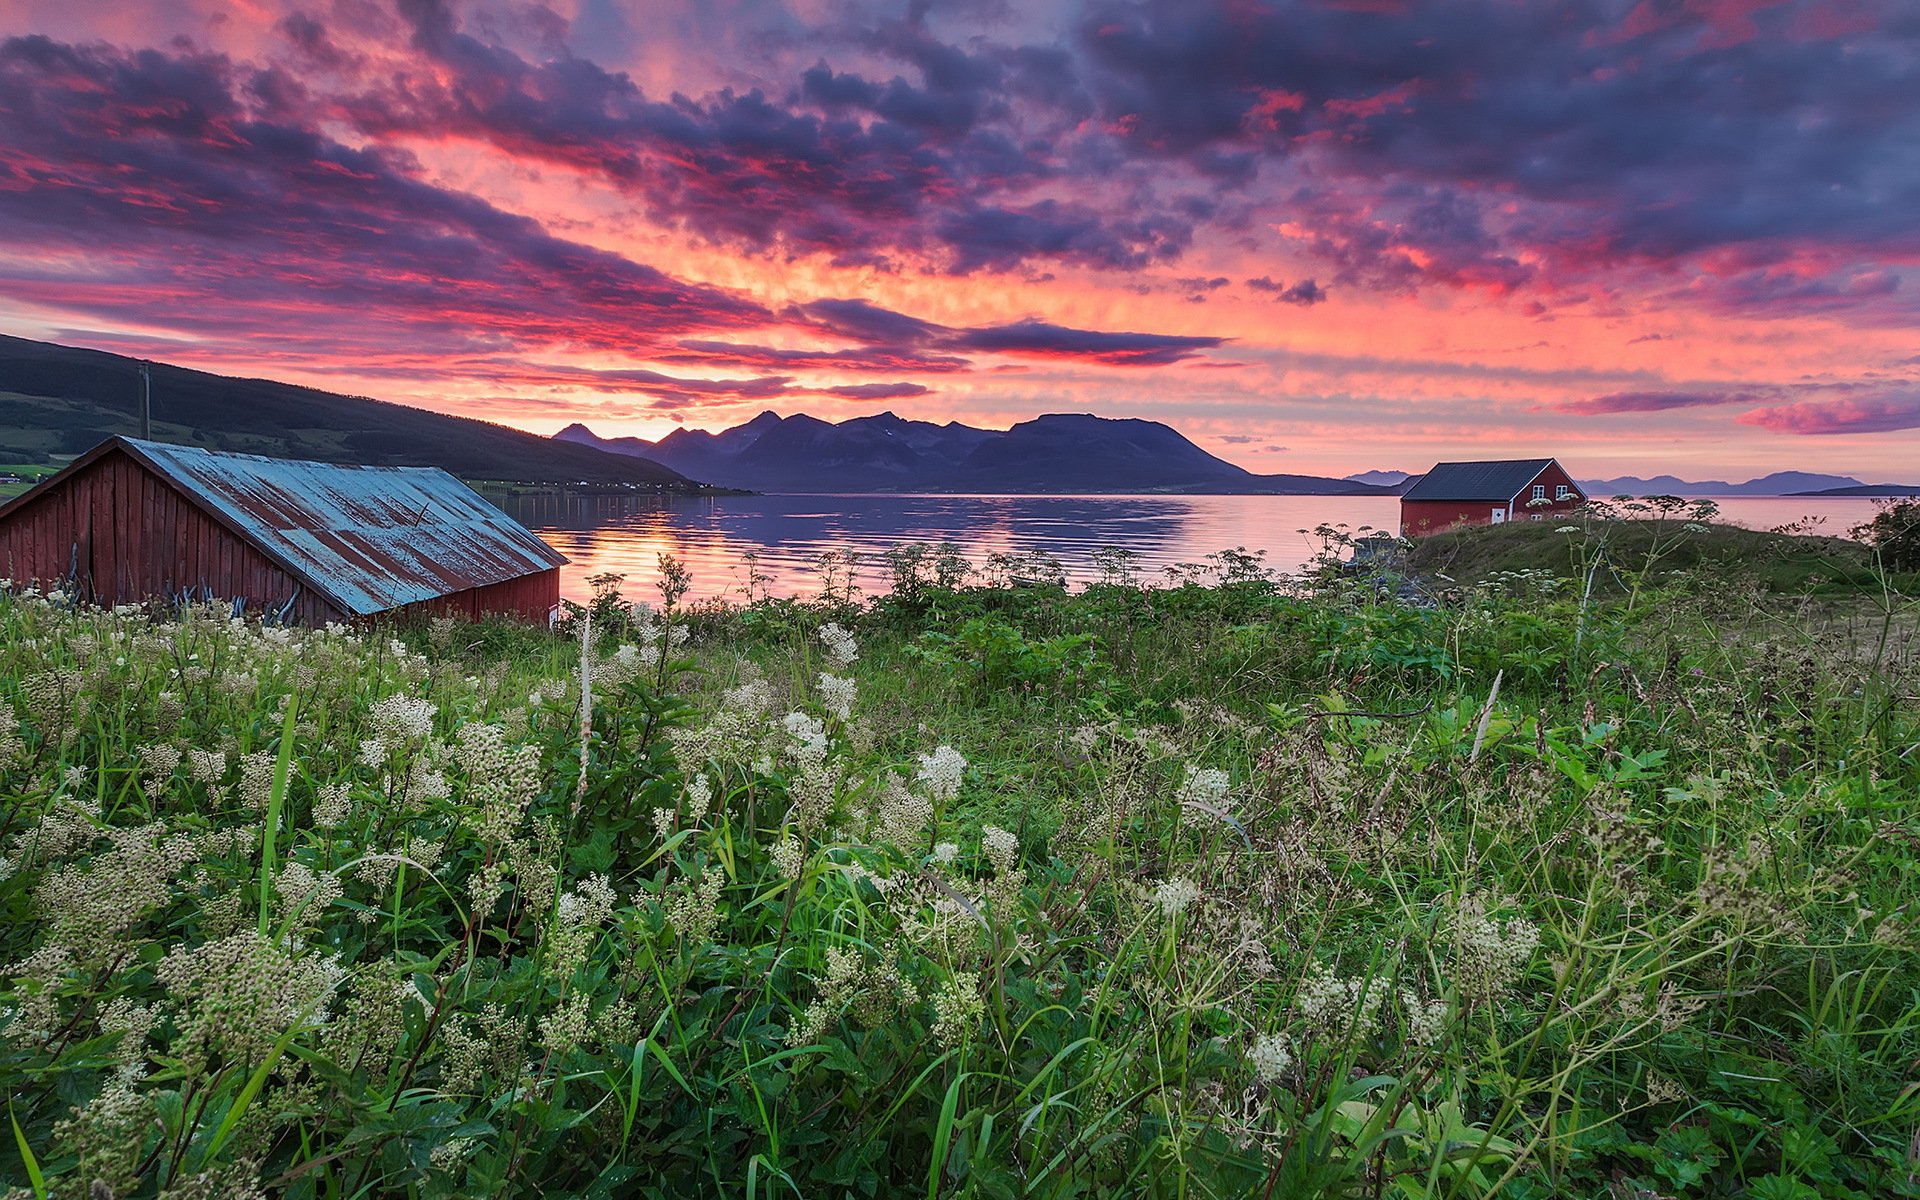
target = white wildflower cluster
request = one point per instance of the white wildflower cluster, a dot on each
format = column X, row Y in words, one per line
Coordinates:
column 808, row 739
column 1332, row 1006
column 812, row 784
column 256, row 778
column 789, row 857
column 372, row 1021
column 1203, row 795
column 699, row 797
column 331, row 806
column 1426, row 1020
column 736, row 732
column 752, row 697
column 304, row 891
column 904, row 815
column 693, row 909
column 1489, row 955
column 485, row 1044
column 134, row 1022
column 946, row 853
column 502, row 779
column 833, row 990
column 1271, row 1057
column 1174, row 895
column 842, row 649
column 90, row 904
column 621, row 667
column 158, row 762
column 837, row 695
column 402, row 720
column 941, row 773
column 239, row 994
column 578, row 919
column 36, row 981
column 958, row 1007
column 207, row 767
column 105, row 1136
column 1001, row 847
column 567, row 1026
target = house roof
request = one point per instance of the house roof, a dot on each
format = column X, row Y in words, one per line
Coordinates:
column 366, row 538
column 1501, row 480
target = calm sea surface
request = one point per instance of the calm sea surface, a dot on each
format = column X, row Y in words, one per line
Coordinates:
column 788, row 533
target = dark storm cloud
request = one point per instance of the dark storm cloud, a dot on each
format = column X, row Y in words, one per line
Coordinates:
column 890, row 359
column 875, row 391
column 1305, row 293
column 1037, row 339
column 1474, row 144
column 164, row 171
column 861, row 170
column 862, row 321
column 203, row 196
column 1465, row 137
column 1646, row 402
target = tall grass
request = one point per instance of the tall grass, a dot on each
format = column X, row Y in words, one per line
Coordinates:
column 1252, row 889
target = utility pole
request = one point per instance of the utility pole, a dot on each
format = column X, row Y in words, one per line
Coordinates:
column 146, row 403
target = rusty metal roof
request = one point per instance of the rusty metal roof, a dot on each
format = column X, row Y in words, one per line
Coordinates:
column 367, row 538
column 1501, row 480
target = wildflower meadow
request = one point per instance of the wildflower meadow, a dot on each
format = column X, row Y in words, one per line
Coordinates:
column 1244, row 887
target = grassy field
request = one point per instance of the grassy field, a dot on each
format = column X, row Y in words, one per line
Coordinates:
column 28, row 472
column 1252, row 889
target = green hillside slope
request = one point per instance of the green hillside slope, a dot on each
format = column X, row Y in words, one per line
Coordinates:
column 60, row 400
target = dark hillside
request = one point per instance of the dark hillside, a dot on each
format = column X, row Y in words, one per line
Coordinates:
column 60, row 400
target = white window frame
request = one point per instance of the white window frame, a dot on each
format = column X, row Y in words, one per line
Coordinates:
column 1562, row 492
column 1539, row 491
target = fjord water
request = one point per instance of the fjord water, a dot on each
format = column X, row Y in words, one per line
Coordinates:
column 712, row 535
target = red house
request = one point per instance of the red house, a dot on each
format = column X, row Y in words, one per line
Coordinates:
column 1487, row 493
column 306, row 542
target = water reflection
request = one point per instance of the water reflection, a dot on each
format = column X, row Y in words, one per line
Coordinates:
column 713, row 535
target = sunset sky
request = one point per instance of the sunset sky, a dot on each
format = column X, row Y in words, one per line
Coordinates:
column 1320, row 237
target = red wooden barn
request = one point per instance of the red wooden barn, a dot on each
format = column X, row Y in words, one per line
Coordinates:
column 1487, row 493
column 300, row 541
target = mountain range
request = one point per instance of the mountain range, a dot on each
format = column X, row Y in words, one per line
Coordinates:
column 1058, row 452
column 62, row 400
column 1780, row 483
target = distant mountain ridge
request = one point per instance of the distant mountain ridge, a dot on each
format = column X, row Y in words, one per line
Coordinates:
column 1057, row 452
column 57, row 400
column 1385, row 479
column 1780, row 483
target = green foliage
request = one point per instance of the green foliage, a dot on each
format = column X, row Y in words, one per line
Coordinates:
column 1894, row 533
column 1236, row 887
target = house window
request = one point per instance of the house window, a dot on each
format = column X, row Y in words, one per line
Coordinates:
column 1536, row 517
column 1539, row 491
column 1560, row 492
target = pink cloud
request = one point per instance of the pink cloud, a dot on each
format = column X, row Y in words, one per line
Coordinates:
column 1852, row 414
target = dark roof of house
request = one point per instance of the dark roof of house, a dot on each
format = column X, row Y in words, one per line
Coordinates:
column 1477, row 480
column 368, row 539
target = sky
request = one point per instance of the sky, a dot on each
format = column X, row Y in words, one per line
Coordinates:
column 1316, row 236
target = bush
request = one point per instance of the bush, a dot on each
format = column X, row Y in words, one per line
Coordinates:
column 1895, row 533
